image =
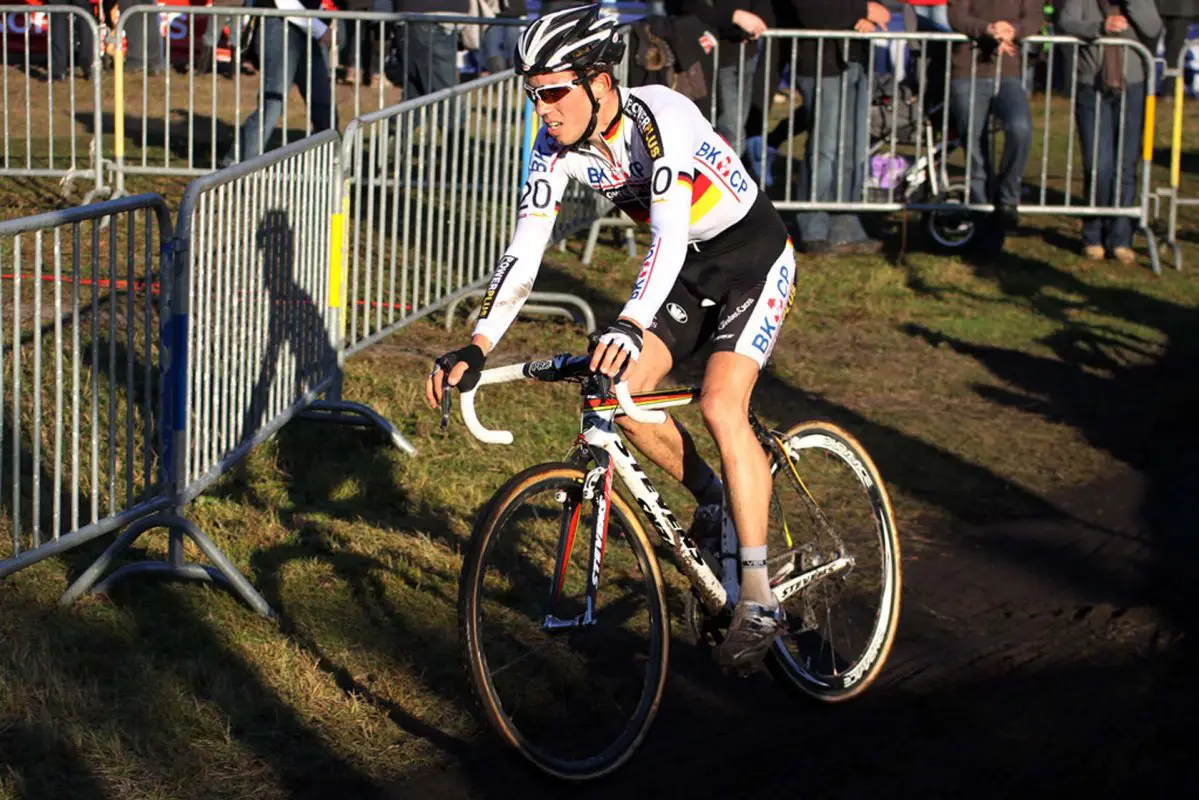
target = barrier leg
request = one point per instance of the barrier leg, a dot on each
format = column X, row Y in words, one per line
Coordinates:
column 224, row 573
column 1154, row 258
column 344, row 412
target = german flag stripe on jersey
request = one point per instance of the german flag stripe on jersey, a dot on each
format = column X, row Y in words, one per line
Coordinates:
column 614, row 129
column 704, row 196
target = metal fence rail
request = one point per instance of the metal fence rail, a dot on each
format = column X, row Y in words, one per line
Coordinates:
column 252, row 337
column 41, row 113
column 80, row 404
column 192, row 124
column 431, row 193
column 254, row 244
column 1174, row 192
column 937, row 151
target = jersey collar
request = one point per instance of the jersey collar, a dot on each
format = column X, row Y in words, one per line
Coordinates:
column 612, row 132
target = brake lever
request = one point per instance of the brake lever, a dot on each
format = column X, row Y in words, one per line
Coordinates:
column 445, row 399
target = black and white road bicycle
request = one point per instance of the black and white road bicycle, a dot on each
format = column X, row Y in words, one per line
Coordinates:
column 563, row 617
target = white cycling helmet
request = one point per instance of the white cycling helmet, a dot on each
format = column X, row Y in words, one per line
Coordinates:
column 571, row 39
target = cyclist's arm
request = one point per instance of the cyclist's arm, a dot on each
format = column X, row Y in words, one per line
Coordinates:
column 517, row 268
column 672, row 127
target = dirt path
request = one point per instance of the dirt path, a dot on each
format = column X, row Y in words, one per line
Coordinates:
column 1033, row 656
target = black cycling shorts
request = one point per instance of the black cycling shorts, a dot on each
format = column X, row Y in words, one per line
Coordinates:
column 734, row 291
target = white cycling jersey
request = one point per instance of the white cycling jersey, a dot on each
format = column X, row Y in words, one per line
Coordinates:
column 668, row 168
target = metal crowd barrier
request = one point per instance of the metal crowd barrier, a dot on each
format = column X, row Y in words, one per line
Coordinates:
column 432, row 191
column 252, row 337
column 80, row 449
column 34, row 127
column 191, row 124
column 937, row 155
column 1174, row 193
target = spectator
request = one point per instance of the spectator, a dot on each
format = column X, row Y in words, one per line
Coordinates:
column 286, row 51
column 213, row 26
column 735, row 22
column 838, row 121
column 931, row 15
column 997, row 27
column 361, row 51
column 61, row 27
column 1106, row 81
column 499, row 41
column 144, row 40
column 1176, row 17
column 427, row 52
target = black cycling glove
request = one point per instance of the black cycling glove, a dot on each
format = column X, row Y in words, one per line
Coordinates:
column 472, row 356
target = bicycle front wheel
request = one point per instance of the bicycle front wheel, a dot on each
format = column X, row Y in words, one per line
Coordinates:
column 574, row 697
column 835, row 558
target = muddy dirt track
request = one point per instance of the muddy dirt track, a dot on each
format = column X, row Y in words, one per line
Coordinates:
column 1035, row 655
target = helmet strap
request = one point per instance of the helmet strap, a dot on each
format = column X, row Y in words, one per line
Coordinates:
column 595, row 108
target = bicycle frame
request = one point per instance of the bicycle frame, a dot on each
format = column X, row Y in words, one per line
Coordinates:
column 603, row 445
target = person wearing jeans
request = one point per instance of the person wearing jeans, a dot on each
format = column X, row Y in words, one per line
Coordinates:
column 735, row 23
column 931, row 15
column 295, row 51
column 427, row 51
column 992, row 59
column 1009, row 104
column 1110, row 86
column 835, row 157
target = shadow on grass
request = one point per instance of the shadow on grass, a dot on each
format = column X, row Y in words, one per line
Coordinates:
column 1137, row 407
column 66, row 773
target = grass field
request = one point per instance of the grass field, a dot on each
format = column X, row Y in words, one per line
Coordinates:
column 986, row 389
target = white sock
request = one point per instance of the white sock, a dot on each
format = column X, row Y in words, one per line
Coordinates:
column 755, row 580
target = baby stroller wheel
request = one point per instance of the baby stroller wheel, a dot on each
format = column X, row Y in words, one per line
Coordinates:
column 951, row 230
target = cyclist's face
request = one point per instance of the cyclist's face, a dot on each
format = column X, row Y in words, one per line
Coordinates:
column 562, row 104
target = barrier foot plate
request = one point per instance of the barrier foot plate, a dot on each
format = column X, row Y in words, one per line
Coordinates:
column 348, row 413
column 224, row 573
column 547, row 303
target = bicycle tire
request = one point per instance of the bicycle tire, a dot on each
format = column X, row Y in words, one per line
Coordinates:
column 787, row 665
column 473, row 598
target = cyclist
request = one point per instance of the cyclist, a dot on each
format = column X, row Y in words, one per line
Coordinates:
column 720, row 270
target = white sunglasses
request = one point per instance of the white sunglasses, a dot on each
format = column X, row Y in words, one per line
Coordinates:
column 551, row 93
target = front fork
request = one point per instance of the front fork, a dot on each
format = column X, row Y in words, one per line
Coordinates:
column 597, row 487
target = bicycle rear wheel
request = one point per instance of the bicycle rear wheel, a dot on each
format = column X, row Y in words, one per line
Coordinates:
column 830, row 509
column 575, row 700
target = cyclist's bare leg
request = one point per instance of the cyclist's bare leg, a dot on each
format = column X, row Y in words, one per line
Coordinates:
column 668, row 445
column 728, row 382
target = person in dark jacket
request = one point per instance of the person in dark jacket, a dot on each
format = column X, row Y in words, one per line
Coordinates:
column 1110, row 84
column 839, row 124
column 62, row 27
column 1176, row 17
column 735, row 22
column 143, row 37
column 985, row 81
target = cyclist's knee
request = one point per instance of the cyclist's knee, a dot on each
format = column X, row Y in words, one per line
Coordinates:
column 724, row 410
